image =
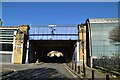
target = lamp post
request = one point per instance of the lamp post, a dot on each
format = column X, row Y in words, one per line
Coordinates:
column 82, row 28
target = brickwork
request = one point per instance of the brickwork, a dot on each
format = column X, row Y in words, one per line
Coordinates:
column 0, row 23
column 82, row 37
column 20, row 44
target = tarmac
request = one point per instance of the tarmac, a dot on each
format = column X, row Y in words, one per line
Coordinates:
column 7, row 68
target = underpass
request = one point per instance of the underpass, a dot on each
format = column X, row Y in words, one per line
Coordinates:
column 43, row 41
column 40, row 48
column 46, row 43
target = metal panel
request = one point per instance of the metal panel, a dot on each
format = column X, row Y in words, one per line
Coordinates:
column 6, row 52
column 6, row 58
column 6, row 42
column 53, row 32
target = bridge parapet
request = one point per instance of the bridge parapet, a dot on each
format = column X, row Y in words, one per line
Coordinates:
column 56, row 32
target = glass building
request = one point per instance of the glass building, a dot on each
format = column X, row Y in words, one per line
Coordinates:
column 104, row 42
column 100, row 36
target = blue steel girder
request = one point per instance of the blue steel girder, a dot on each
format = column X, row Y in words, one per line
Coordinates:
column 56, row 32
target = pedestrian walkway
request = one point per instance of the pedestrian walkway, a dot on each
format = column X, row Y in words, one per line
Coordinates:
column 99, row 74
column 92, row 73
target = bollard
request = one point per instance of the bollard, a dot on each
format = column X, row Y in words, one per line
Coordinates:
column 93, row 76
column 107, row 77
column 78, row 69
column 68, row 65
column 75, row 67
column 72, row 66
column 84, row 71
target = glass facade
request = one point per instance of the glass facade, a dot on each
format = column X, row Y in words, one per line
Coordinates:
column 101, row 45
column 6, row 44
column 105, row 45
column 6, row 40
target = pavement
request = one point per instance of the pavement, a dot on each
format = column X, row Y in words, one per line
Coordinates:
column 42, row 71
column 98, row 74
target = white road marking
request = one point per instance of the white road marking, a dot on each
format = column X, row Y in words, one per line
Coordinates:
column 71, row 72
column 10, row 69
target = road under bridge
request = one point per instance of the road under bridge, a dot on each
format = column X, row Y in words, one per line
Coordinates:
column 39, row 50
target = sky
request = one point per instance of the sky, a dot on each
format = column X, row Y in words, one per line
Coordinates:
column 44, row 13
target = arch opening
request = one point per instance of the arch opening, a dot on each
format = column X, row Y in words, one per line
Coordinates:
column 55, row 57
column 55, row 54
column 49, row 51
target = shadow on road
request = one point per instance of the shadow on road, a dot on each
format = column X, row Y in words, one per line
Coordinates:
column 36, row 74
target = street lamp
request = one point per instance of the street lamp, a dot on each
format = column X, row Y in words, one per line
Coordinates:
column 82, row 28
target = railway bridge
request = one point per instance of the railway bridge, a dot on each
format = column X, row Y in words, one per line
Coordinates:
column 48, row 43
column 53, row 38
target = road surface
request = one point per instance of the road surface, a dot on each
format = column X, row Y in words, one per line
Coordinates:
column 46, row 71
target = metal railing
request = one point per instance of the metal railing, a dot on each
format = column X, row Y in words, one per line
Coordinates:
column 53, row 32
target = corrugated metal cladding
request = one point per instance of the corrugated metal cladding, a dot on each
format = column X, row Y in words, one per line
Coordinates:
column 104, row 20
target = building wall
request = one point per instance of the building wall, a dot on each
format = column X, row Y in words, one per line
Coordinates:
column 99, row 42
column 0, row 23
column 101, row 45
column 21, row 44
column 81, row 48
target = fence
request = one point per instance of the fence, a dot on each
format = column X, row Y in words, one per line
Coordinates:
column 112, row 63
column 90, row 73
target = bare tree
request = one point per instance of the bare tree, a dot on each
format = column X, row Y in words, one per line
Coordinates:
column 114, row 35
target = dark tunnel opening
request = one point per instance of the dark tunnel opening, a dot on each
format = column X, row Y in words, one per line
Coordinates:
column 40, row 48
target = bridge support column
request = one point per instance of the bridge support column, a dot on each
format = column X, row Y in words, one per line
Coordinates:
column 82, row 43
column 26, row 61
column 78, row 54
